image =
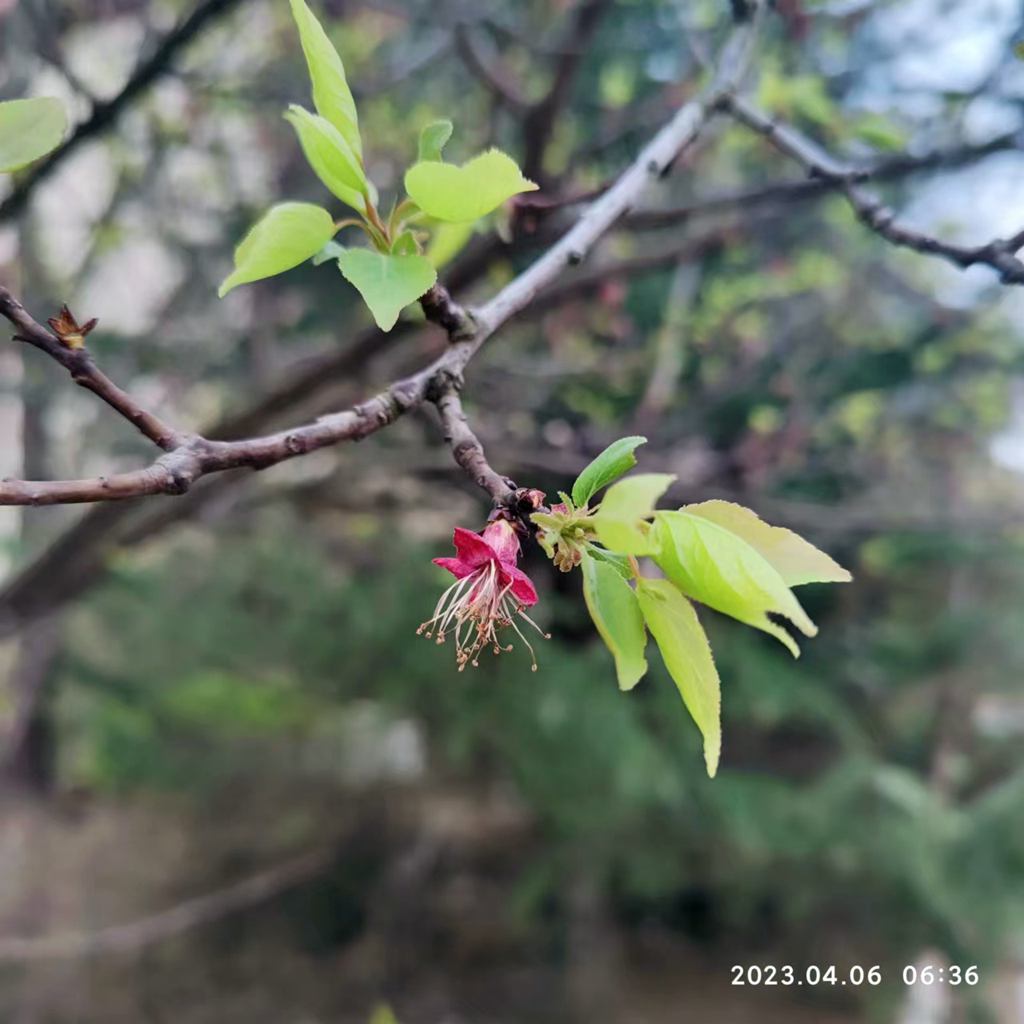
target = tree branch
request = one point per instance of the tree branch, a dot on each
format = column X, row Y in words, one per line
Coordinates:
column 84, row 372
column 810, row 188
column 128, row 938
column 105, row 114
column 489, row 70
column 190, row 457
column 998, row 254
column 466, row 448
column 539, row 122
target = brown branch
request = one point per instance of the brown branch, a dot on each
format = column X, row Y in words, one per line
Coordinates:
column 193, row 457
column 489, row 69
column 105, row 114
column 998, row 254
column 84, row 372
column 540, row 121
column 129, row 938
column 811, row 188
column 466, row 448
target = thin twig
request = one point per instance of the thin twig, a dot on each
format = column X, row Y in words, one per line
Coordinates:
column 84, row 372
column 489, row 69
column 810, row 188
column 129, row 938
column 870, row 210
column 466, row 448
column 540, row 121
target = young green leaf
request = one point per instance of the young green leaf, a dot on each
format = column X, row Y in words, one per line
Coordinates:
column 331, row 251
column 330, row 156
column 447, row 241
column 331, row 94
column 613, row 606
column 615, row 460
column 719, row 569
column 285, row 236
column 387, row 283
column 793, row 558
column 620, row 563
column 29, row 129
column 468, row 192
column 405, row 245
column 433, row 138
column 687, row 655
column 619, row 521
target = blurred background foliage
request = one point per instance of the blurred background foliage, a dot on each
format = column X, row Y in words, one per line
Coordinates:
column 201, row 688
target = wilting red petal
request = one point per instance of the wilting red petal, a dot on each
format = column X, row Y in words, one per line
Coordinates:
column 471, row 549
column 501, row 536
column 521, row 585
column 455, row 566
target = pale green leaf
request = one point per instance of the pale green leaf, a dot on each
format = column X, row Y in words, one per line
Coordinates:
column 687, row 655
column 719, row 569
column 615, row 460
column 620, row 520
column 620, row 563
column 433, row 139
column 465, row 193
column 447, row 241
column 331, row 251
column 383, row 1014
column 29, row 129
column 405, row 244
column 793, row 558
column 331, row 94
column 613, row 606
column 330, row 156
column 285, row 236
column 387, row 283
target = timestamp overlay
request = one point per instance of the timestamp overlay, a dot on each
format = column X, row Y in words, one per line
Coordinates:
column 852, row 976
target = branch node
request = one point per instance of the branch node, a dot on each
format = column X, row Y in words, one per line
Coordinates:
column 440, row 308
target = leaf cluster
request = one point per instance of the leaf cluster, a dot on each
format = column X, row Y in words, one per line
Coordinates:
column 404, row 246
column 716, row 553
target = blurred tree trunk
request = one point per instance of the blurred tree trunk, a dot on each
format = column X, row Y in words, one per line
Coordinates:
column 594, row 966
column 27, row 752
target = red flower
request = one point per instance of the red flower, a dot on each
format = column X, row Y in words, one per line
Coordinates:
column 489, row 593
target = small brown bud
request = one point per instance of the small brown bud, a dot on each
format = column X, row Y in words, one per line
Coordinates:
column 67, row 328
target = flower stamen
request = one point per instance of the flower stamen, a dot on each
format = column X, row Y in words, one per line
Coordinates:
column 489, row 594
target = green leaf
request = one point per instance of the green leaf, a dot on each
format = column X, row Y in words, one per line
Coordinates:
column 387, row 283
column 383, row 1014
column 687, row 655
column 330, row 156
column 447, row 241
column 619, row 521
column 720, row 569
column 613, row 606
column 620, row 563
column 29, row 129
column 793, row 558
column 608, row 466
column 405, row 245
column 287, row 234
column 433, row 139
column 465, row 193
column 331, row 94
column 331, row 251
